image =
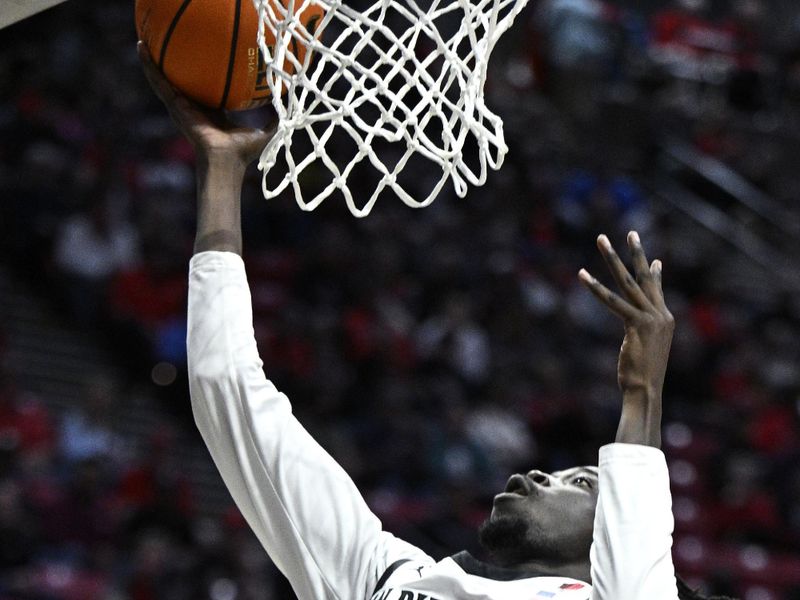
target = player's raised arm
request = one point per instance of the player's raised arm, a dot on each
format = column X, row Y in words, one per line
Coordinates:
column 648, row 336
column 631, row 552
column 303, row 507
column 223, row 149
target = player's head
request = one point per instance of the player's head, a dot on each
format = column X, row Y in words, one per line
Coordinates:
column 543, row 517
column 550, row 518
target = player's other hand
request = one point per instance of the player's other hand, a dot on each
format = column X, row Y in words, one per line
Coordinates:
column 648, row 323
column 212, row 134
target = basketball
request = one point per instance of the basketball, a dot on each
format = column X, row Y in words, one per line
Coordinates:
column 208, row 49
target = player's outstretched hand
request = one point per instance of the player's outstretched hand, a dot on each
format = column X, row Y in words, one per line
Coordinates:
column 648, row 337
column 211, row 133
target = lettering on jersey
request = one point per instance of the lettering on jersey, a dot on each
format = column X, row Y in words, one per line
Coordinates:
column 400, row 594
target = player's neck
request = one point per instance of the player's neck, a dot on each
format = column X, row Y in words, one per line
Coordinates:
column 579, row 569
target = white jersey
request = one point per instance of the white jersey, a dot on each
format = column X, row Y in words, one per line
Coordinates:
column 316, row 527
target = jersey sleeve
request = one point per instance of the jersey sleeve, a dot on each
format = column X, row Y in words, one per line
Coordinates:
column 631, row 554
column 302, row 506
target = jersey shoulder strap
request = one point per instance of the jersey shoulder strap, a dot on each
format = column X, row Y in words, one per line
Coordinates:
column 388, row 573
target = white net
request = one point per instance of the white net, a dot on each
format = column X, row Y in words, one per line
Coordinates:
column 383, row 90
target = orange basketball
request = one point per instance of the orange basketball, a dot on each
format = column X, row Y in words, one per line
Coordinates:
column 208, row 48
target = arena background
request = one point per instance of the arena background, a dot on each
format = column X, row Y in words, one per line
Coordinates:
column 432, row 352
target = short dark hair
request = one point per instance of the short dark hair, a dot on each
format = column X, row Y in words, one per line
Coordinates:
column 687, row 593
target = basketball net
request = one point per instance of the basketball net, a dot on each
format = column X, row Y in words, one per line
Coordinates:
column 399, row 80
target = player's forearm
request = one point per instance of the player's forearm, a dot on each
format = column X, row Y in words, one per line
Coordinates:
column 219, row 186
column 640, row 422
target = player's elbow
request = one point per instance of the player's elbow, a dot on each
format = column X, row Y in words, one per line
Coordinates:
column 216, row 399
column 215, row 353
column 205, row 368
column 242, row 385
column 211, row 379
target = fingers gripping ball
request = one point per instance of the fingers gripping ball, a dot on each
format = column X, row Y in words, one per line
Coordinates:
column 208, row 49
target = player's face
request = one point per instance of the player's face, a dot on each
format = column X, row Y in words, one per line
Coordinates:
column 541, row 515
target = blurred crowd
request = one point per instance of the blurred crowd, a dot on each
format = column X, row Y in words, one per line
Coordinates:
column 431, row 352
column 81, row 518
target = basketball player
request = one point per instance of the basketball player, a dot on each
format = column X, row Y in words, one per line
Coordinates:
column 587, row 532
